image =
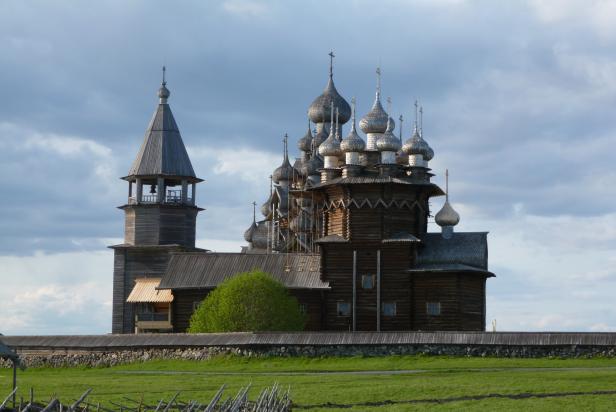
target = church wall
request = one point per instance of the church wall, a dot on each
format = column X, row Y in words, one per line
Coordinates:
column 129, row 264
column 395, row 285
column 461, row 298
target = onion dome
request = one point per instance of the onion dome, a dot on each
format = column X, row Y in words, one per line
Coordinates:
column 388, row 142
column 447, row 216
column 311, row 166
column 266, row 208
column 305, row 143
column 248, row 233
column 321, row 108
column 416, row 145
column 376, row 119
column 319, row 138
column 331, row 146
column 285, row 171
column 260, row 236
column 352, row 143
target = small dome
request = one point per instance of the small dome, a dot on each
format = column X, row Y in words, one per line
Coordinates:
column 416, row 145
column 320, row 109
column 319, row 138
column 248, row 233
column 284, row 172
column 331, row 146
column 447, row 216
column 266, row 208
column 163, row 92
column 311, row 166
column 305, row 143
column 376, row 119
column 259, row 236
column 352, row 143
column 388, row 142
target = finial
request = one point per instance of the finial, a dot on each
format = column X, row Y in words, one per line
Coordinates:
column 401, row 119
column 378, row 81
column 421, row 120
column 447, row 185
column 254, row 212
column 331, row 63
column 416, row 105
column 286, row 151
column 331, row 120
column 337, row 130
column 164, row 81
column 388, row 104
column 353, row 113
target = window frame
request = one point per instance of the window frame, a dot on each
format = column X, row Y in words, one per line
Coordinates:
column 433, row 305
column 340, row 313
column 372, row 281
column 395, row 311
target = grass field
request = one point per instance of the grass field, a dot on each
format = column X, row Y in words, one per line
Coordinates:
column 395, row 383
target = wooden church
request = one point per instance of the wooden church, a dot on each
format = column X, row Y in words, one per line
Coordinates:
column 344, row 228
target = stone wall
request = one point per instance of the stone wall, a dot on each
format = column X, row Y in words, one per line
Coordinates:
column 104, row 358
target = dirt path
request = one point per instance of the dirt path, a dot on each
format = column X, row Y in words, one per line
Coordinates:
column 369, row 372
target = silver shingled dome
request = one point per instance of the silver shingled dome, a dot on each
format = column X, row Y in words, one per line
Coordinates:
column 447, row 216
column 249, row 232
column 305, row 143
column 416, row 145
column 320, row 109
column 331, row 146
column 283, row 172
column 388, row 142
column 352, row 143
column 375, row 121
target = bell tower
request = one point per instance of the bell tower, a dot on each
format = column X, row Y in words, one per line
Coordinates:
column 160, row 212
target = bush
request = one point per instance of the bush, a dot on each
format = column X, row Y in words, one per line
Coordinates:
column 251, row 301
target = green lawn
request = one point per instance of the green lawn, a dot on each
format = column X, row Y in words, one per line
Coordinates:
column 318, row 381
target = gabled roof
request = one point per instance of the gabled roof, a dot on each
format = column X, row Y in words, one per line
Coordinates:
column 162, row 151
column 208, row 270
column 463, row 252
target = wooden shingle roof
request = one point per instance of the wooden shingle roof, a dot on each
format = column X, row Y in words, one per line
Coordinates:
column 162, row 151
column 208, row 270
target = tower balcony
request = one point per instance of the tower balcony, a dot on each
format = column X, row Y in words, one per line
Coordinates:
column 172, row 197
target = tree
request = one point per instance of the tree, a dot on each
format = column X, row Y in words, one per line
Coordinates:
column 252, row 301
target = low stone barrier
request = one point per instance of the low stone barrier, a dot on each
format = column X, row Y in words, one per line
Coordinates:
column 104, row 358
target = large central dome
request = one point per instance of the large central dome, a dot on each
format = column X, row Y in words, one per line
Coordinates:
column 320, row 109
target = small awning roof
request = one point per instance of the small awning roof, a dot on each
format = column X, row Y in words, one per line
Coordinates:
column 145, row 292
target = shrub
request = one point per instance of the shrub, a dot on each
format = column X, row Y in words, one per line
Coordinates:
column 252, row 301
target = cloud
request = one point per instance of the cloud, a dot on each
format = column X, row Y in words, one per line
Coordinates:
column 245, row 8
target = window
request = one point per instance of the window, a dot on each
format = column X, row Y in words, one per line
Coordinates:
column 433, row 308
column 196, row 304
column 389, row 309
column 343, row 309
column 367, row 281
column 303, row 308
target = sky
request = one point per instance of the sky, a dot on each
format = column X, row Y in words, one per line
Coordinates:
column 518, row 101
